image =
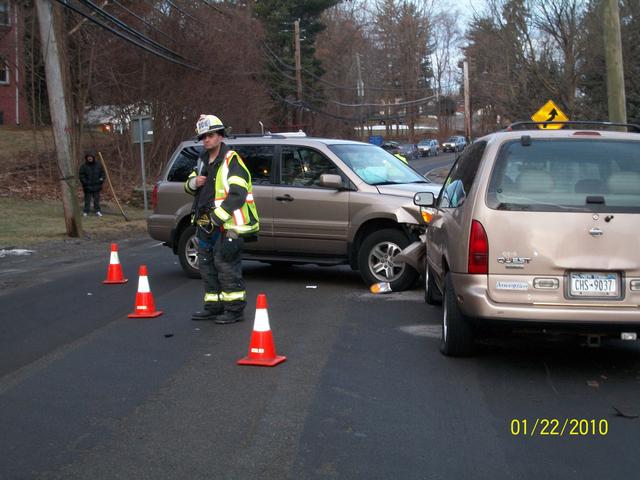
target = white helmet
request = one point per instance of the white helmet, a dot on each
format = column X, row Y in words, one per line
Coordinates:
column 208, row 123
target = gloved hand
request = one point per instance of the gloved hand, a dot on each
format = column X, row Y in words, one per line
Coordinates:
column 230, row 248
column 203, row 221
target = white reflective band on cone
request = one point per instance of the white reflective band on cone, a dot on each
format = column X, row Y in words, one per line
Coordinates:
column 114, row 258
column 141, row 307
column 143, row 284
column 261, row 323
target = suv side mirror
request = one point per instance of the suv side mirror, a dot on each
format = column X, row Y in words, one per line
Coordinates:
column 424, row 199
column 331, row 181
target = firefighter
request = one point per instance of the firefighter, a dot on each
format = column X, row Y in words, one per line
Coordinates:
column 225, row 216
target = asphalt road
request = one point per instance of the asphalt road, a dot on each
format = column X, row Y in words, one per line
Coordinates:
column 86, row 392
column 441, row 163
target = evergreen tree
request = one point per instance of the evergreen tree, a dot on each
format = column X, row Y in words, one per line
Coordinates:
column 278, row 17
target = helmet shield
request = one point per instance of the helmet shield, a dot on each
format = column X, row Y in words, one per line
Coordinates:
column 207, row 124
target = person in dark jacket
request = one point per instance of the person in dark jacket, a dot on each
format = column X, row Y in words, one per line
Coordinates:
column 92, row 178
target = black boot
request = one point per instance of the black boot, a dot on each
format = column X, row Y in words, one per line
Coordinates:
column 205, row 315
column 229, row 317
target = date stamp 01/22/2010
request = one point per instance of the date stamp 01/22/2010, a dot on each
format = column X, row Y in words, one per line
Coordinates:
column 559, row 427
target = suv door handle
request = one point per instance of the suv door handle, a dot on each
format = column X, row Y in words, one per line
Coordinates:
column 285, row 198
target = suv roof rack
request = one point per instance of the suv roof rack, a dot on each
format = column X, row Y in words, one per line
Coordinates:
column 603, row 125
column 255, row 135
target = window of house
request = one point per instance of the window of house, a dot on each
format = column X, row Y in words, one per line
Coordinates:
column 4, row 73
column 5, row 18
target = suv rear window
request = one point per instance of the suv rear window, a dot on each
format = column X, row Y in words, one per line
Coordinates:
column 567, row 175
column 184, row 164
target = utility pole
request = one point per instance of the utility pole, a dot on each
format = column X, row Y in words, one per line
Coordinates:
column 50, row 24
column 613, row 59
column 296, row 26
column 360, row 90
column 467, row 101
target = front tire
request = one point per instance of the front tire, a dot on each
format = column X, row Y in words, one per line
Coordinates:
column 457, row 332
column 188, row 252
column 375, row 260
column 432, row 295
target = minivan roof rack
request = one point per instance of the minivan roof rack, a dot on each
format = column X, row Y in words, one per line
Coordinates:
column 594, row 123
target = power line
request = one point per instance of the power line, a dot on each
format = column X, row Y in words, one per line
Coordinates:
column 322, row 80
column 187, row 14
column 356, row 105
column 146, row 22
column 103, row 25
column 126, row 27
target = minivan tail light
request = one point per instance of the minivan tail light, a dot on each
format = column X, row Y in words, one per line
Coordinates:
column 478, row 249
column 154, row 197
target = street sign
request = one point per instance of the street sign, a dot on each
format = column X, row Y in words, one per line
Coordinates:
column 142, row 131
column 550, row 113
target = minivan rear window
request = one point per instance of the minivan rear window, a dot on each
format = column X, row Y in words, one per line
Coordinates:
column 567, row 175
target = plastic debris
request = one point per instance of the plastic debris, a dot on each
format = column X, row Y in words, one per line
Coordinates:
column 593, row 383
column 619, row 413
column 5, row 252
column 312, row 286
column 382, row 287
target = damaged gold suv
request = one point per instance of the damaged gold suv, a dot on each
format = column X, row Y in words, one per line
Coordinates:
column 540, row 229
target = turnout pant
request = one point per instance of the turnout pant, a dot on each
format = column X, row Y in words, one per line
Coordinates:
column 220, row 263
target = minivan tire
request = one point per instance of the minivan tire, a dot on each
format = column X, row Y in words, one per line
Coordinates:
column 457, row 331
column 187, row 252
column 382, row 241
column 432, row 295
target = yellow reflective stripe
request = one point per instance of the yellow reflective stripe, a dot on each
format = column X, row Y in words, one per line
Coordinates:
column 222, row 214
column 243, row 228
column 241, row 182
column 233, row 296
column 211, row 297
column 187, row 185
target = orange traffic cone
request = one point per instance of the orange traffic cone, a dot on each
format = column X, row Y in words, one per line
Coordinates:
column 145, row 306
column 114, row 273
column 262, row 351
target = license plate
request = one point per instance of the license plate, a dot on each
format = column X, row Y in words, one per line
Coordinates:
column 592, row 284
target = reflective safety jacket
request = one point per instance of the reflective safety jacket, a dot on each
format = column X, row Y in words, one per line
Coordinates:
column 401, row 157
column 227, row 195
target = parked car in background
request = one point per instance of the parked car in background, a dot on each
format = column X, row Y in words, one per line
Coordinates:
column 409, row 151
column 429, row 147
column 320, row 201
column 391, row 147
column 536, row 230
column 454, row 144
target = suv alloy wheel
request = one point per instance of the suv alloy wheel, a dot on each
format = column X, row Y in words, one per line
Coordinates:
column 188, row 252
column 375, row 259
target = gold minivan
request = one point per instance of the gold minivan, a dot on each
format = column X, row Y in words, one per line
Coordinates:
column 539, row 229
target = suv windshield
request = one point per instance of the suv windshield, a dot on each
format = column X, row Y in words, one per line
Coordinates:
column 567, row 175
column 452, row 139
column 376, row 166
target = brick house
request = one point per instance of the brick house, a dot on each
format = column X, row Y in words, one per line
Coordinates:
column 13, row 106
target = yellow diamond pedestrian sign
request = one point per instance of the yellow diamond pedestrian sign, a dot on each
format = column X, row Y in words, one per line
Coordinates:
column 550, row 113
